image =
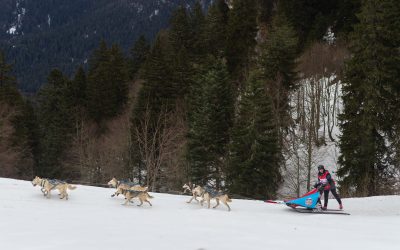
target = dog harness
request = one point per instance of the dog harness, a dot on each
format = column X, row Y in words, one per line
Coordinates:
column 213, row 193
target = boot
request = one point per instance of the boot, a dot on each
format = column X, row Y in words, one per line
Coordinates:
column 340, row 206
column 324, row 208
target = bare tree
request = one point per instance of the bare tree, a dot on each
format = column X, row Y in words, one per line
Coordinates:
column 315, row 108
column 158, row 141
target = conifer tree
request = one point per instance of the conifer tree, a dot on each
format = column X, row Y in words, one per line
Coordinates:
column 371, row 101
column 107, row 89
column 8, row 91
column 180, row 30
column 215, row 30
column 210, row 118
column 278, row 66
column 55, row 125
column 159, row 88
column 78, row 88
column 5, row 72
column 241, row 33
column 24, row 137
column 138, row 54
column 254, row 165
column 197, row 22
column 158, row 94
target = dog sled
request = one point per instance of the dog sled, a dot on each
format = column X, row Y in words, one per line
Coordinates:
column 308, row 203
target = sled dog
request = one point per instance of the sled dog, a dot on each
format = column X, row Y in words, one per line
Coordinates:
column 47, row 185
column 124, row 185
column 191, row 189
column 130, row 194
column 208, row 193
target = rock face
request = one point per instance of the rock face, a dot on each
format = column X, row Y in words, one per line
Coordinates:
column 38, row 35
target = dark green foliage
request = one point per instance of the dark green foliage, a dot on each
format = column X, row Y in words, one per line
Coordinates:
column 197, row 25
column 241, row 32
column 75, row 29
column 210, row 118
column 78, row 88
column 138, row 54
column 266, row 10
column 278, row 66
column 255, row 157
column 8, row 91
column 5, row 71
column 180, row 30
column 311, row 18
column 159, row 89
column 107, row 89
column 371, row 101
column 215, row 30
column 346, row 16
column 55, row 125
column 158, row 94
column 24, row 138
column 279, row 53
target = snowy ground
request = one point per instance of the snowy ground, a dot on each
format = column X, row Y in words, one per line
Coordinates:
column 91, row 219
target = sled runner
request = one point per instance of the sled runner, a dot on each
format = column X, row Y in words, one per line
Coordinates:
column 308, row 203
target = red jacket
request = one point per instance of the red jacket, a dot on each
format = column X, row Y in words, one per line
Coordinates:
column 326, row 179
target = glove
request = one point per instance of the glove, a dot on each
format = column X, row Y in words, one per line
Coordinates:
column 317, row 184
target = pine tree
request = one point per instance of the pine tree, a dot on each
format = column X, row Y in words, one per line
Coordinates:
column 55, row 125
column 241, row 33
column 78, row 88
column 254, row 165
column 107, row 89
column 210, row 118
column 371, row 101
column 5, row 72
column 215, row 31
column 158, row 94
column 26, row 139
column 8, row 91
column 23, row 140
column 138, row 54
column 180, row 31
column 158, row 89
column 278, row 66
column 197, row 22
column 118, row 78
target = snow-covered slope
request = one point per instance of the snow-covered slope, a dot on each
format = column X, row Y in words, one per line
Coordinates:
column 91, row 219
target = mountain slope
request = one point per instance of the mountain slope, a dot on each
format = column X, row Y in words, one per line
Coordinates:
column 41, row 35
column 91, row 219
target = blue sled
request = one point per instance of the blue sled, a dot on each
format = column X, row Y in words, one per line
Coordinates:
column 309, row 200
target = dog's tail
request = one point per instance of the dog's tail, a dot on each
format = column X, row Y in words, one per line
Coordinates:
column 70, row 187
column 149, row 196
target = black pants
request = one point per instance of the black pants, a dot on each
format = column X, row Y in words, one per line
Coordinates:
column 326, row 196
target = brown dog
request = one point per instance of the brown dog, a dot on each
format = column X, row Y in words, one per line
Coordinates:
column 191, row 188
column 48, row 185
column 131, row 194
column 124, row 185
column 207, row 194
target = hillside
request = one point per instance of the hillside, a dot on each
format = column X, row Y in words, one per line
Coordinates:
column 41, row 35
column 91, row 219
